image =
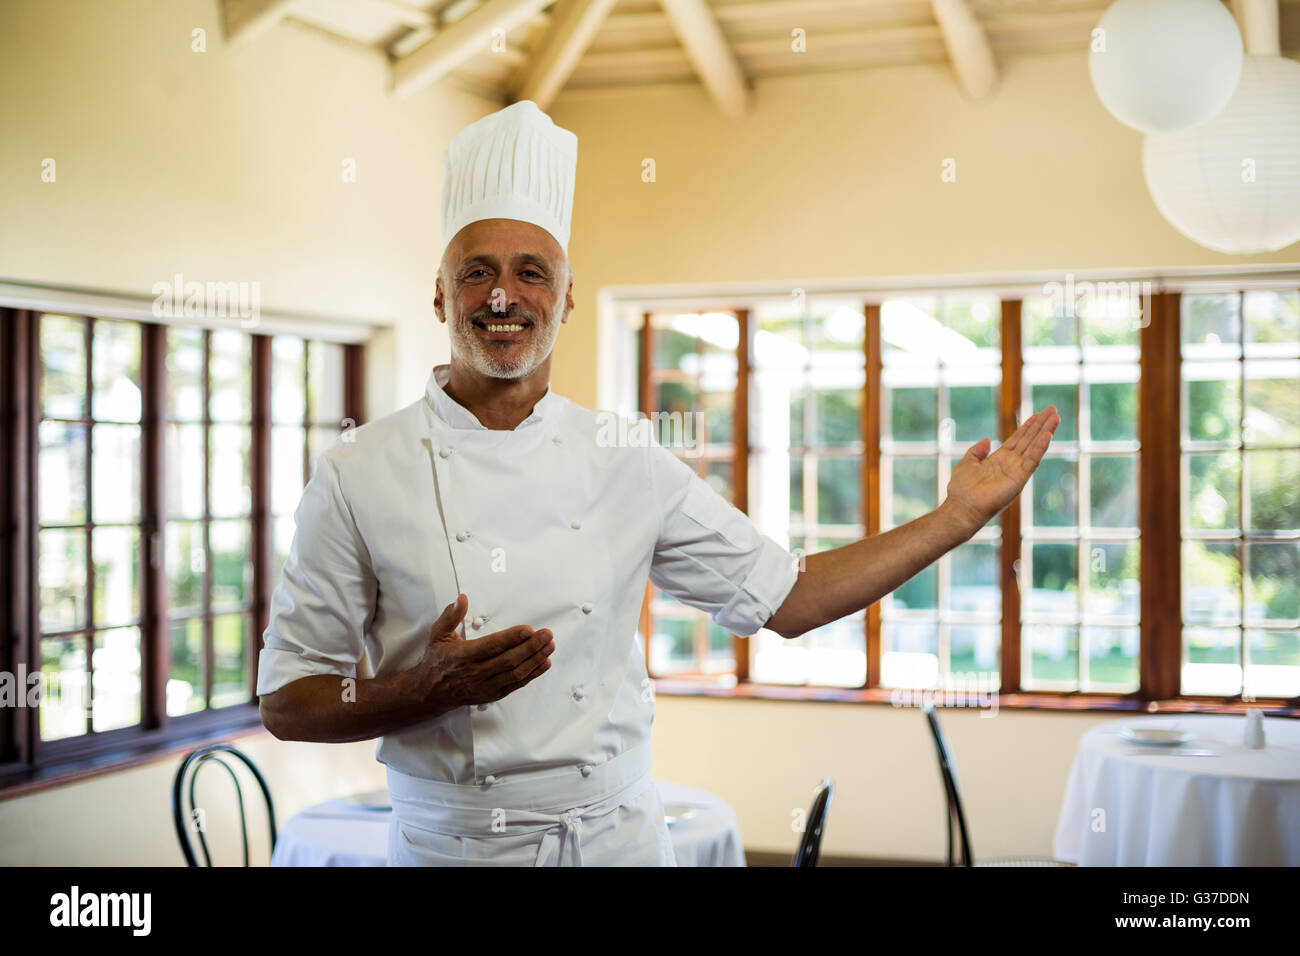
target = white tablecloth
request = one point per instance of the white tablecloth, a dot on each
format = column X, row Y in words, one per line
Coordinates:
column 1128, row 805
column 343, row 833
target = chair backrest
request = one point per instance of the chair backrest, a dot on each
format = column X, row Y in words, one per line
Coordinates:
column 187, row 821
column 810, row 843
column 951, row 791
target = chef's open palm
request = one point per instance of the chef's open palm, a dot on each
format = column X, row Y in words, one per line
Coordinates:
column 455, row 672
column 983, row 484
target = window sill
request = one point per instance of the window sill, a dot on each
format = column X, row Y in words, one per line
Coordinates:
column 1071, row 702
column 147, row 747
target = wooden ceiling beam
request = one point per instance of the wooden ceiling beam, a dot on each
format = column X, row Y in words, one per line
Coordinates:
column 458, row 42
column 968, row 47
column 574, row 24
column 248, row 19
column 1260, row 31
column 716, row 65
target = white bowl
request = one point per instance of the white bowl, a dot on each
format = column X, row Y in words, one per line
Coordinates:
column 1156, row 736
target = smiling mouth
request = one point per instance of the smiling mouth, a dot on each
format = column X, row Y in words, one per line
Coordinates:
column 502, row 328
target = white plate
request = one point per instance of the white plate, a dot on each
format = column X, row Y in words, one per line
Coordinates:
column 1156, row 736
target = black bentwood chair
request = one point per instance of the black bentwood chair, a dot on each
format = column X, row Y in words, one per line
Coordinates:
column 191, row 766
column 810, row 843
column 949, row 773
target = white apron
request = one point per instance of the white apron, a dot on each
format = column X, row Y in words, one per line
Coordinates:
column 611, row 816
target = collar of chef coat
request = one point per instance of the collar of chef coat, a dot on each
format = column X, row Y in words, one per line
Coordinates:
column 458, row 416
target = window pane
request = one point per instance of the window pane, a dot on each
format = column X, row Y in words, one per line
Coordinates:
column 184, row 374
column 1274, row 488
column 1051, row 654
column 976, row 579
column 718, row 476
column 672, row 644
column 116, row 352
column 231, row 493
column 913, row 414
column 288, row 395
column 1050, row 328
column 1272, row 319
column 1053, row 494
column 914, row 488
column 1113, row 568
column 909, row 654
column 229, row 376
column 1211, row 582
column 1213, row 496
column 62, row 473
column 117, row 575
column 325, row 382
column 186, row 563
column 1212, row 402
column 65, row 698
column 185, row 682
column 974, row 412
column 115, row 468
column 839, row 490
column 1112, row 658
column 1065, row 397
column 284, row 528
column 977, row 319
column 1113, row 481
column 63, row 366
column 1274, row 663
column 62, row 574
column 1112, row 411
column 116, row 669
column 1273, row 581
column 1272, row 403
column 975, row 654
column 1211, row 319
column 839, row 416
column 1055, row 581
column 1211, row 661
column 232, row 569
column 286, row 468
column 185, row 471
column 230, row 632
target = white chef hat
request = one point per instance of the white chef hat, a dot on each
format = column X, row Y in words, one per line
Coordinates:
column 511, row 164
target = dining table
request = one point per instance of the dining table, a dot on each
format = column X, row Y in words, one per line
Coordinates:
column 353, row 830
column 1207, row 799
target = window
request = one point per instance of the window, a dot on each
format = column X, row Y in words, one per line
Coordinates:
column 89, row 525
column 692, row 384
column 1080, row 545
column 1241, row 494
column 146, row 552
column 854, row 412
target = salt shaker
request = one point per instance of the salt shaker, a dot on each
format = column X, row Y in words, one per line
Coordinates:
column 1254, row 736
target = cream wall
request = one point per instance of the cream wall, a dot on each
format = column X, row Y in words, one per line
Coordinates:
column 226, row 165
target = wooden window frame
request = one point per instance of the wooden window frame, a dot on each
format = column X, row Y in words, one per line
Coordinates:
column 27, row 763
column 1159, row 524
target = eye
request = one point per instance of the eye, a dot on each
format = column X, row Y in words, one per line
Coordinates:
column 473, row 272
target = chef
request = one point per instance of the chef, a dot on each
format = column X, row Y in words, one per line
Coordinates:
column 485, row 550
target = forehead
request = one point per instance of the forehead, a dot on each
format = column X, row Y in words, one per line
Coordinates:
column 503, row 239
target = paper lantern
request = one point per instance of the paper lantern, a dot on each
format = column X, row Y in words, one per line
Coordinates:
column 1164, row 65
column 1233, row 184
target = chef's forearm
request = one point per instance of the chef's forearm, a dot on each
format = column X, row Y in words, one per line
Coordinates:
column 844, row 580
column 324, row 708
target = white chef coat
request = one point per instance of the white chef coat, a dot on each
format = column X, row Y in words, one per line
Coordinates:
column 550, row 525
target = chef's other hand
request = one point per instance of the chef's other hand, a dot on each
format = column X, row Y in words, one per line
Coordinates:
column 455, row 672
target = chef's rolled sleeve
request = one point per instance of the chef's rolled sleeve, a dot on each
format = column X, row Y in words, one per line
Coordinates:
column 710, row 555
column 326, row 595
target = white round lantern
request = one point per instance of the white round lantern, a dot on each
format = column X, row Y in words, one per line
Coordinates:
column 1164, row 65
column 1233, row 184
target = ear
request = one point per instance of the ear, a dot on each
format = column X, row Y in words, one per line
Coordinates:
column 438, row 301
column 568, row 301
